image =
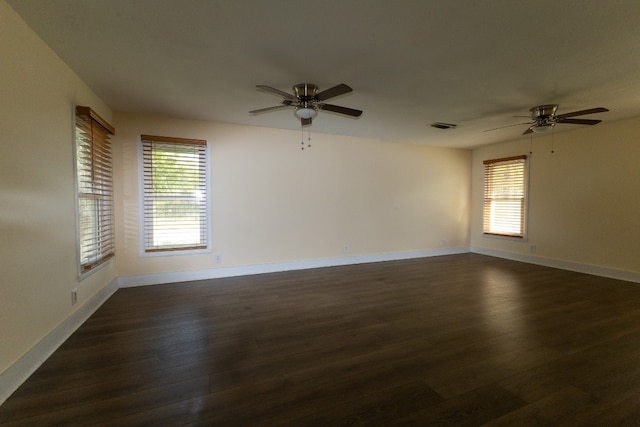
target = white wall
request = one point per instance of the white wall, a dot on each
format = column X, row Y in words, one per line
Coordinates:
column 274, row 203
column 584, row 198
column 37, row 197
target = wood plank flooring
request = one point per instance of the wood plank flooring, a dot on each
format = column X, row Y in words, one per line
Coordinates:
column 453, row 340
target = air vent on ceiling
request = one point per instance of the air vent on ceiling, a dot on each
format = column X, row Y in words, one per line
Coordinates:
column 440, row 125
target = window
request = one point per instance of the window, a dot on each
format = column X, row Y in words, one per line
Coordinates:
column 504, row 196
column 94, row 184
column 175, row 194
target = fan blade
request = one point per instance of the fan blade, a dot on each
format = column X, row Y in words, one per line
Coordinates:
column 579, row 121
column 277, row 92
column 264, row 110
column 530, row 130
column 508, row 126
column 333, row 92
column 582, row 112
column 341, row 110
column 306, row 122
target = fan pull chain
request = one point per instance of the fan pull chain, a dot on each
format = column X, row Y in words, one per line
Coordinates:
column 531, row 143
column 308, row 137
column 552, row 142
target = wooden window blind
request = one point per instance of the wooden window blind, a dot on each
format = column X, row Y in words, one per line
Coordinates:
column 94, row 181
column 504, row 196
column 175, row 193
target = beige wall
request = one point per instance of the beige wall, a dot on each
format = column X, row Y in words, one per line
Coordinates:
column 274, row 203
column 584, row 199
column 37, row 205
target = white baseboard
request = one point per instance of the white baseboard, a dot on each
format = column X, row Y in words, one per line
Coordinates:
column 16, row 374
column 628, row 276
column 215, row 273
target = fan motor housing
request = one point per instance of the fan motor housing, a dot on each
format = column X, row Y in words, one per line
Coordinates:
column 305, row 91
column 543, row 111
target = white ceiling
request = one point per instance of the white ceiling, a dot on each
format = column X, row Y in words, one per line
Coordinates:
column 411, row 63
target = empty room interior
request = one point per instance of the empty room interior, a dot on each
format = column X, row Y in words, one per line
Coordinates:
column 319, row 213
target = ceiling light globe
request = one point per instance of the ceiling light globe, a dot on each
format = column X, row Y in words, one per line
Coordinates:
column 305, row 113
column 543, row 128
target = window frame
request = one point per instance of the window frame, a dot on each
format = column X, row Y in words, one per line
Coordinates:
column 144, row 250
column 524, row 198
column 102, row 250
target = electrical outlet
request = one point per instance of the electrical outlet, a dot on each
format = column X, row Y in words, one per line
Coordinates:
column 74, row 296
column 444, row 242
column 218, row 258
column 533, row 249
column 345, row 249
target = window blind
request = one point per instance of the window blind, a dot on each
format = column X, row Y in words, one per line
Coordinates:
column 94, row 181
column 504, row 196
column 175, row 193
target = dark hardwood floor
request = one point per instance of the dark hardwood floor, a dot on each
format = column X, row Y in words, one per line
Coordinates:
column 453, row 340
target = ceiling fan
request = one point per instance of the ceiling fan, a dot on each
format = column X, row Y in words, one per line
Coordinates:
column 306, row 100
column 544, row 118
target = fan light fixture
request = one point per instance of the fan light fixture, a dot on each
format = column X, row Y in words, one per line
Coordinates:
column 544, row 118
column 305, row 113
column 543, row 127
column 306, row 101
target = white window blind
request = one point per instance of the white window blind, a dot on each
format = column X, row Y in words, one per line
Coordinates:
column 175, row 193
column 504, row 196
column 94, row 181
